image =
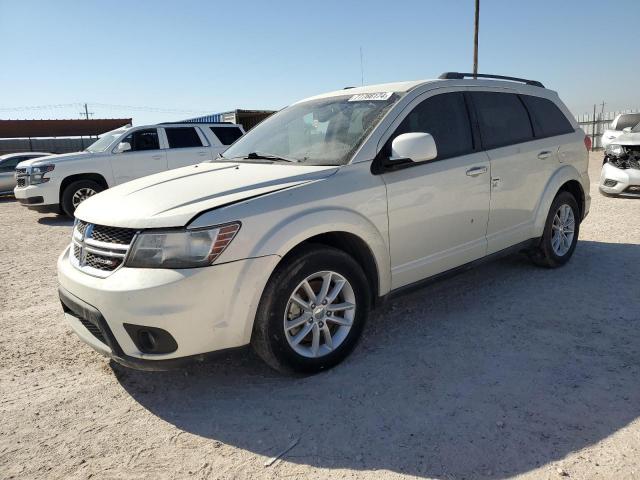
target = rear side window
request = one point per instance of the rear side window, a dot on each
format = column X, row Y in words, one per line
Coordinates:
column 628, row 120
column 227, row 135
column 446, row 118
column 10, row 164
column 548, row 120
column 183, row 137
column 502, row 118
column 143, row 140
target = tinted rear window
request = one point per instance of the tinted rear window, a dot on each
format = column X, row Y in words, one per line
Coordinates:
column 628, row 120
column 502, row 118
column 548, row 120
column 183, row 137
column 227, row 135
column 445, row 117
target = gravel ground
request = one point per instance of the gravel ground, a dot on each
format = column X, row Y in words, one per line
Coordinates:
column 503, row 371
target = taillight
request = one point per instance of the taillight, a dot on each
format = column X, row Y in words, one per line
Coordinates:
column 587, row 142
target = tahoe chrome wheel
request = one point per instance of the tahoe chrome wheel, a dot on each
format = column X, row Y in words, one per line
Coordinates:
column 81, row 195
column 562, row 230
column 319, row 314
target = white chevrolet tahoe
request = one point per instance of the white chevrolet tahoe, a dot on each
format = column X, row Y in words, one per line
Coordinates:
column 322, row 210
column 60, row 182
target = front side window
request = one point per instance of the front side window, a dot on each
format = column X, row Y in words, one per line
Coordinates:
column 502, row 118
column 141, row 140
column 628, row 120
column 105, row 141
column 326, row 131
column 446, row 118
column 226, row 135
column 183, row 137
column 548, row 120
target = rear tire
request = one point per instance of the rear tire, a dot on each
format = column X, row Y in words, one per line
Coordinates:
column 321, row 326
column 560, row 232
column 76, row 192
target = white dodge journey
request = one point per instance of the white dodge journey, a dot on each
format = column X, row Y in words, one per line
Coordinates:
column 318, row 213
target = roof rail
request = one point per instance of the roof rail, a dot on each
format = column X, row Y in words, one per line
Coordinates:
column 191, row 121
column 460, row 76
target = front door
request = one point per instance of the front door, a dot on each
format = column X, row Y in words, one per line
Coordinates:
column 144, row 158
column 438, row 210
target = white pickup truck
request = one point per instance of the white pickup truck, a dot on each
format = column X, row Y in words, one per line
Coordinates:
column 61, row 182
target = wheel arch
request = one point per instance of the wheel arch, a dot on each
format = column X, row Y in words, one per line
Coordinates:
column 96, row 177
column 347, row 231
column 565, row 179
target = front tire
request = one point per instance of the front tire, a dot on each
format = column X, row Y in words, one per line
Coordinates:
column 560, row 232
column 77, row 192
column 312, row 311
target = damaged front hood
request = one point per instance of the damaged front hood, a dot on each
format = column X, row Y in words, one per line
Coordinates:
column 172, row 198
column 630, row 139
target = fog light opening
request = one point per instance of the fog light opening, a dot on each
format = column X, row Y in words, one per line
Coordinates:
column 147, row 341
column 610, row 183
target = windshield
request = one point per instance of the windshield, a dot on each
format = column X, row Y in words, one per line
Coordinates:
column 627, row 120
column 326, row 131
column 104, row 141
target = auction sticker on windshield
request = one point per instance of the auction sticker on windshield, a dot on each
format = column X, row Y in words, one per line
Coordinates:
column 365, row 97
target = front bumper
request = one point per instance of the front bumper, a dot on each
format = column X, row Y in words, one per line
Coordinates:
column 38, row 196
column 204, row 309
column 626, row 179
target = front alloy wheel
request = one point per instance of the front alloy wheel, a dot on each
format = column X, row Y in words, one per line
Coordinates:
column 319, row 314
column 312, row 310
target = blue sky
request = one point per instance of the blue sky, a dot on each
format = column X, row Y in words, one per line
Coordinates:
column 206, row 56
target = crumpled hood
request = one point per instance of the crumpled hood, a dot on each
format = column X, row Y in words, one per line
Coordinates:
column 63, row 157
column 172, row 198
column 627, row 139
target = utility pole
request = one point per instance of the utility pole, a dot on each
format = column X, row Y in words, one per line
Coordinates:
column 593, row 130
column 86, row 112
column 475, row 40
column 361, row 68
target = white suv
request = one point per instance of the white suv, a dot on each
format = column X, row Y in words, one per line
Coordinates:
column 318, row 213
column 61, row 182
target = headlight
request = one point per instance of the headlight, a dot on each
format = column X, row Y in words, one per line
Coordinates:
column 38, row 173
column 182, row 248
column 615, row 150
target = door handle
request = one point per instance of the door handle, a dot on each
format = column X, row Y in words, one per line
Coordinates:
column 475, row 171
column 543, row 155
column 202, row 154
column 156, row 157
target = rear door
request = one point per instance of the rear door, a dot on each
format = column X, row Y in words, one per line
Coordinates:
column 521, row 164
column 186, row 146
column 438, row 210
column 145, row 157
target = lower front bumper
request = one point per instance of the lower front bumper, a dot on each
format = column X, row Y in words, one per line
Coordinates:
column 203, row 309
column 38, row 196
column 79, row 313
column 624, row 178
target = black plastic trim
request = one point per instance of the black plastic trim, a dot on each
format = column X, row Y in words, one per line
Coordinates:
column 517, row 248
column 31, row 200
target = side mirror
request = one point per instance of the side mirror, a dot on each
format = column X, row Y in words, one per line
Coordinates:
column 626, row 130
column 417, row 147
column 123, row 147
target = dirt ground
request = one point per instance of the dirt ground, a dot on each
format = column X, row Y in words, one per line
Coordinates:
column 504, row 371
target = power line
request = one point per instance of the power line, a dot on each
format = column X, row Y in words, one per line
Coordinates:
column 100, row 105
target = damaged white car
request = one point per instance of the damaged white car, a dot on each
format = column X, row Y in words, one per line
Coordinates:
column 621, row 169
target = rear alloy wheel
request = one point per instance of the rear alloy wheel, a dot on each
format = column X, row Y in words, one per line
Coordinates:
column 560, row 232
column 312, row 310
column 77, row 192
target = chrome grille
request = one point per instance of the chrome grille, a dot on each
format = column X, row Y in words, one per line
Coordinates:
column 21, row 177
column 99, row 250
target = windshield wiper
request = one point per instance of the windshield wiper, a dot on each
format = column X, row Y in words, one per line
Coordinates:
column 267, row 156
